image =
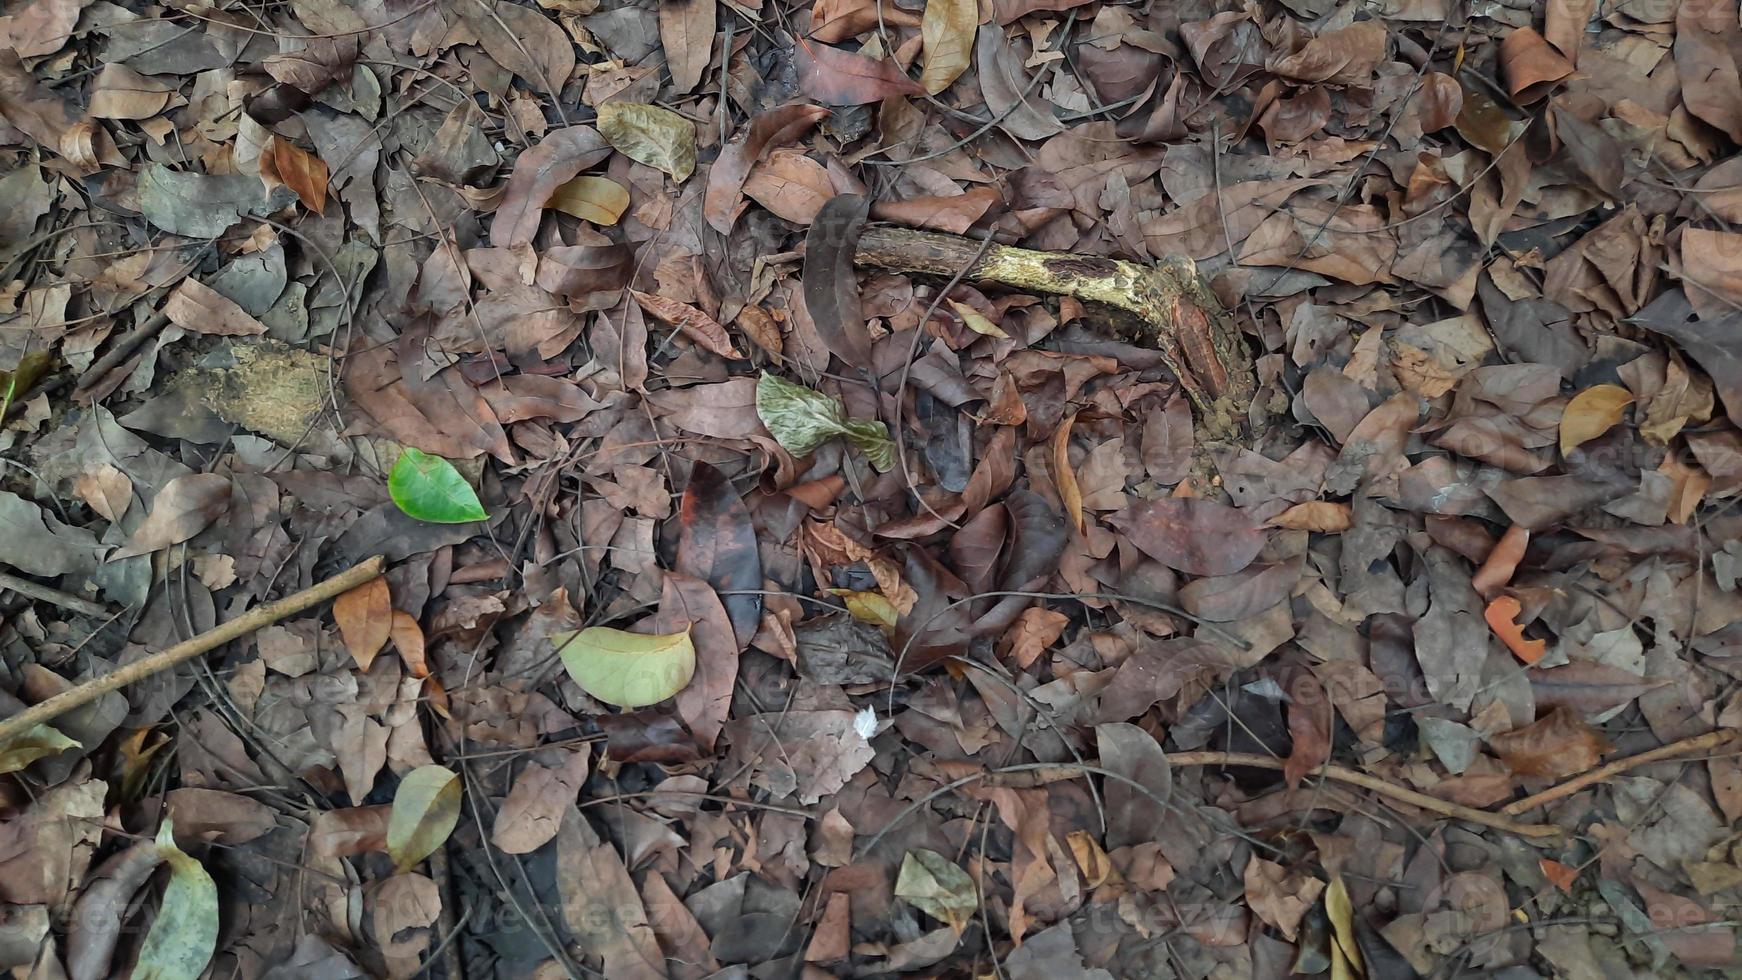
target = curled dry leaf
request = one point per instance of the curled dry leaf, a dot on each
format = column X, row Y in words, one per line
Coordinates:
column 1530, row 66
column 1064, row 477
column 831, row 287
column 365, row 617
column 1591, row 413
column 1502, row 616
column 696, row 325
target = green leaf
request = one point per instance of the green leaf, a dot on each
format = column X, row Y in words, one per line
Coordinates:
column 182, row 939
column 425, row 809
column 801, row 420
column 629, row 670
column 934, row 884
column 600, row 200
column 35, row 742
column 428, row 488
column 660, row 138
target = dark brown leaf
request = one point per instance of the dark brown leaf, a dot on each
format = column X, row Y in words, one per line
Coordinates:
column 717, row 543
column 769, row 128
column 831, row 288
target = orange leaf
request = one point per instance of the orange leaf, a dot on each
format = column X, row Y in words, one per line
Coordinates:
column 1562, row 876
column 1501, row 615
column 696, row 325
column 1070, row 494
column 365, row 618
column 299, row 170
column 408, row 640
column 1497, row 570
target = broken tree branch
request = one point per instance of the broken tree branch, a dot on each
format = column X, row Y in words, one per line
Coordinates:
column 43, row 593
column 1175, row 310
column 254, row 619
column 1686, row 746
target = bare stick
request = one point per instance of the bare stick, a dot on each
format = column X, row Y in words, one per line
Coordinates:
column 235, row 629
column 43, row 593
column 1339, row 774
column 1687, row 746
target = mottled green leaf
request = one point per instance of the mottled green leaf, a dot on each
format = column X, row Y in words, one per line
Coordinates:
column 936, row 886
column 648, row 134
column 185, row 933
column 428, row 488
column 629, row 670
column 425, row 809
column 802, row 419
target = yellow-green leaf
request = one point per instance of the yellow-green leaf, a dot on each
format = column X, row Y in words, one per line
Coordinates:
column 182, row 939
column 869, row 607
column 947, row 31
column 648, row 134
column 936, row 886
column 977, row 322
column 425, row 808
column 35, row 742
column 1591, row 413
column 15, row 384
column 600, row 200
column 629, row 670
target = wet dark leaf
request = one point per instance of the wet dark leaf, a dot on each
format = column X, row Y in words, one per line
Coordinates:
column 717, row 543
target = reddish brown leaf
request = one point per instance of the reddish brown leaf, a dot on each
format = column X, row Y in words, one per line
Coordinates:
column 407, row 638
column 1309, row 725
column 297, row 169
column 1530, row 67
column 834, row 77
column 717, row 543
column 696, row 325
column 365, row 618
column 1199, row 537
column 1587, row 687
column 1034, row 631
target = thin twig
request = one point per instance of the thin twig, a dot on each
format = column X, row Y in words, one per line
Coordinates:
column 254, row 619
column 1400, row 794
column 1686, row 746
column 43, row 593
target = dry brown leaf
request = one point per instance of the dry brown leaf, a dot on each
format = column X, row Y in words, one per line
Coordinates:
column 107, row 490
column 186, row 506
column 1554, row 747
column 533, row 811
column 1502, row 562
column 1530, row 67
column 947, row 32
column 1035, row 630
column 365, row 618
